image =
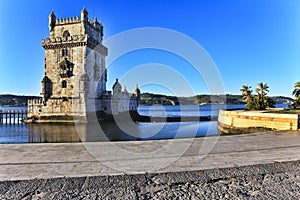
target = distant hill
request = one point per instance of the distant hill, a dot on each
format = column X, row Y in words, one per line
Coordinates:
column 282, row 100
column 15, row 100
column 156, row 99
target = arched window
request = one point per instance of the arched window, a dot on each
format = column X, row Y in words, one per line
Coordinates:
column 64, row 52
column 64, row 84
column 66, row 34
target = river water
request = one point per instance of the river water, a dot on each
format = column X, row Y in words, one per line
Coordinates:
column 37, row 133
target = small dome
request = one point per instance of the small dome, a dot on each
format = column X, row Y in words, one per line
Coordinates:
column 117, row 85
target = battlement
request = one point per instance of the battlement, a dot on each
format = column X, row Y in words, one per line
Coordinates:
column 68, row 20
column 73, row 38
column 76, row 19
column 53, row 21
column 95, row 24
column 33, row 102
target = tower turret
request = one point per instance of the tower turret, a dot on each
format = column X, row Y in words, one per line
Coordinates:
column 52, row 21
column 95, row 21
column 84, row 15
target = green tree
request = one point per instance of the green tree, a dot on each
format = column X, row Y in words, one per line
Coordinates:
column 262, row 99
column 296, row 93
column 247, row 95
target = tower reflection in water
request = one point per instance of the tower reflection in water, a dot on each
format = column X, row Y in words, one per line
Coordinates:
column 50, row 133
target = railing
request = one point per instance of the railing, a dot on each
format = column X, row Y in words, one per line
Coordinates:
column 12, row 116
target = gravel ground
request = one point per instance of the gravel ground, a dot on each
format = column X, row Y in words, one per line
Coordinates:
column 268, row 181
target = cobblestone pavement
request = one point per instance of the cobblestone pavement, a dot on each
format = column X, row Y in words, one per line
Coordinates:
column 265, row 181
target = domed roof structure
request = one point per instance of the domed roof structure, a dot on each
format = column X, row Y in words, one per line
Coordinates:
column 117, row 85
column 117, row 88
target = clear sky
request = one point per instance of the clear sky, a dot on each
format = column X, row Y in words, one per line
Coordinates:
column 250, row 41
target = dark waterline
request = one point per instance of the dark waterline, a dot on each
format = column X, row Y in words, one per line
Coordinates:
column 39, row 133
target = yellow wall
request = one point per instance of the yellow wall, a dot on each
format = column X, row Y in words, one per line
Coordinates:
column 246, row 119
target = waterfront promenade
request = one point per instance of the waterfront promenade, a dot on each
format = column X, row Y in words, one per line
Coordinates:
column 52, row 160
column 231, row 158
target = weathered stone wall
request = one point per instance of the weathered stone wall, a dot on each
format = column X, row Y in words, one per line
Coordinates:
column 53, row 59
column 75, row 73
column 63, row 110
column 257, row 119
column 74, row 28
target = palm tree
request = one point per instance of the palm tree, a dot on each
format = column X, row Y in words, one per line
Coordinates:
column 262, row 91
column 296, row 91
column 247, row 95
column 246, row 92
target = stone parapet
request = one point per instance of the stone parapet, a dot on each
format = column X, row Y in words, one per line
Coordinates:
column 74, row 41
column 55, row 110
column 249, row 121
column 35, row 102
column 63, row 21
column 73, row 20
column 57, row 42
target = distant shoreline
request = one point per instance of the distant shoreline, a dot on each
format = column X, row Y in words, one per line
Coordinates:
column 148, row 99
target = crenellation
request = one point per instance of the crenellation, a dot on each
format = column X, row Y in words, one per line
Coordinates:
column 70, row 20
column 63, row 40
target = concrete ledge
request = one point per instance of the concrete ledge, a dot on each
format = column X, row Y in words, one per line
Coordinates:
column 231, row 130
column 253, row 121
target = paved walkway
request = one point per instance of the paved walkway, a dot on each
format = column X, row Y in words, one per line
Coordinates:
column 34, row 161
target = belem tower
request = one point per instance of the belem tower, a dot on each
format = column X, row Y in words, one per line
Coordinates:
column 74, row 83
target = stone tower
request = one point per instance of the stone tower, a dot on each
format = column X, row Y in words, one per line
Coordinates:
column 75, row 73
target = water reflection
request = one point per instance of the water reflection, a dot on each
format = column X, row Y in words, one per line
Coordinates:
column 95, row 132
column 92, row 132
column 13, row 133
column 38, row 133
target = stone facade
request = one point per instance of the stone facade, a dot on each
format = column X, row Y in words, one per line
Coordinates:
column 75, row 74
column 122, row 100
column 251, row 121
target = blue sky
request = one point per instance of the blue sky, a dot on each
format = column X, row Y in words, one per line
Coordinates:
column 250, row 41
